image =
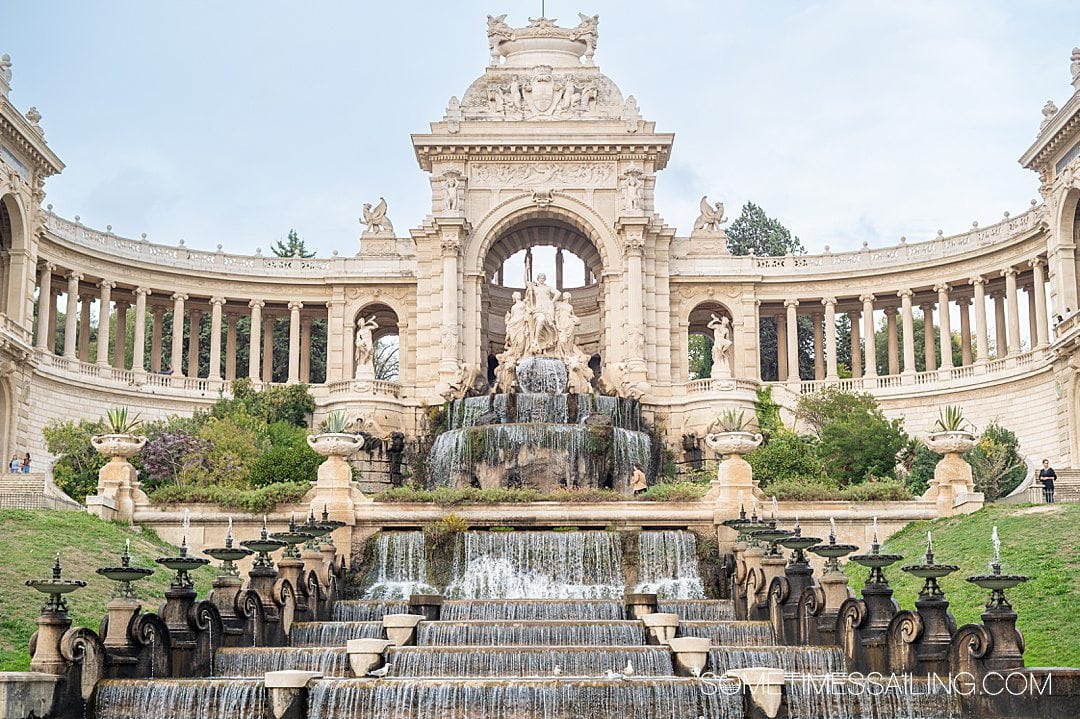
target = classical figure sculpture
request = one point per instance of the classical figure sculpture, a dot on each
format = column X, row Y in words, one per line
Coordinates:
column 721, row 349
column 632, row 190
column 540, row 300
column 365, row 347
column 579, row 374
column 517, row 327
column 451, row 197
column 566, row 322
column 710, row 218
column 376, row 220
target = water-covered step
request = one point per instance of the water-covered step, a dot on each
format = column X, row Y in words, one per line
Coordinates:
column 519, row 609
column 256, row 661
column 842, row 698
column 332, row 634
column 181, row 699
column 640, row 698
column 793, row 660
column 726, row 633
column 714, row 610
column 365, row 610
column 528, row 661
column 547, row 631
column 668, row 565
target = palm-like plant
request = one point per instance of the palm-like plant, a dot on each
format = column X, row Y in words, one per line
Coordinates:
column 334, row 423
column 951, row 419
column 731, row 420
column 119, row 421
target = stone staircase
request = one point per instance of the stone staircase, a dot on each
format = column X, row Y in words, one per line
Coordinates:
column 1066, row 489
column 33, row 490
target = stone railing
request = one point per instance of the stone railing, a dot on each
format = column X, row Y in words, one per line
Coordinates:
column 14, row 329
column 702, row 386
column 375, row 387
column 181, row 256
column 905, row 253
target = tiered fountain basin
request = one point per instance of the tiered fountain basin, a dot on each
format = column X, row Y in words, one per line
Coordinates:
column 543, row 441
column 527, row 661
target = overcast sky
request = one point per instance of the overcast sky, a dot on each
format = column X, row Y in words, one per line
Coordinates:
column 231, row 122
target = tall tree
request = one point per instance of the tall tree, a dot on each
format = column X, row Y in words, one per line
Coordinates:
column 293, row 246
column 755, row 232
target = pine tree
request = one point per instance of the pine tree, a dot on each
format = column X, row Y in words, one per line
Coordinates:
column 293, row 246
column 754, row 231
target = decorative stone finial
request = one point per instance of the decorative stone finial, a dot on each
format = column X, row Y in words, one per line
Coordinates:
column 5, row 74
column 1048, row 111
column 1074, row 67
column 35, row 117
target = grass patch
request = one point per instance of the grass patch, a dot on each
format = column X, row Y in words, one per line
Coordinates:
column 1038, row 541
column 253, row 501
column 28, row 543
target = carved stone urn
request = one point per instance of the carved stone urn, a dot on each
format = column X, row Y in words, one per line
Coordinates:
column 335, row 488
column 734, row 475
column 119, row 489
column 952, row 481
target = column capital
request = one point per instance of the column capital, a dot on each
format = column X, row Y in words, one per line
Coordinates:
column 196, row 312
column 143, row 291
column 977, row 280
column 942, row 287
column 73, row 275
column 791, row 303
column 296, row 305
column 217, row 301
column 963, row 301
column 331, row 304
column 927, row 306
column 121, row 302
column 1036, row 262
column 178, row 297
column 257, row 303
column 106, row 284
column 1010, row 271
column 890, row 311
column 868, row 297
column 853, row 315
column 47, row 266
column 906, row 292
column 828, row 301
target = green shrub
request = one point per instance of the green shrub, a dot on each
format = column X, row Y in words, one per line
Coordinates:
column 922, row 469
column 996, row 465
column 767, row 412
column 674, row 492
column 285, row 464
column 76, row 469
column 785, row 455
column 564, row 529
column 860, row 446
column 877, row 490
column 804, row 489
column 254, row 501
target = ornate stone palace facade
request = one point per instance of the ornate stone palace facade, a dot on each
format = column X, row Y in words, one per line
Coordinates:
column 542, row 149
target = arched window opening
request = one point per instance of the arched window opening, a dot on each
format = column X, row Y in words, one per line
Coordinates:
column 709, row 341
column 377, row 343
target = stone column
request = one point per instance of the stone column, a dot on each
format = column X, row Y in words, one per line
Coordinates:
column 944, row 326
column 71, row 316
column 908, row 322
column 632, row 232
column 558, row 268
column 781, row 347
column 84, row 329
column 194, row 330
column 294, row 341
column 138, row 340
column 965, row 330
column 1014, row 309
column 268, row 348
column 104, row 309
column 305, row 350
column 176, row 364
column 893, row 340
column 819, row 355
column 1033, row 329
column 254, row 340
column 869, row 341
column 157, row 324
column 930, row 353
column 831, row 372
column 855, row 321
column 1041, row 337
column 982, row 339
column 120, row 348
column 999, row 323
column 230, row 346
column 452, row 233
column 792, row 340
column 335, row 321
column 216, row 304
column 45, row 307
column 51, row 333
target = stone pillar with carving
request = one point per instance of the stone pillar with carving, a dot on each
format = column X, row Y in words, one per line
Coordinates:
column 45, row 309
column 255, row 341
column 832, row 372
column 216, row 303
column 1013, row 302
column 104, row 315
column 1041, row 336
column 294, row 341
column 982, row 339
column 138, row 338
column 453, row 232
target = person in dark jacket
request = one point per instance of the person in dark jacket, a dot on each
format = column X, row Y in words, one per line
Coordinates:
column 1047, row 476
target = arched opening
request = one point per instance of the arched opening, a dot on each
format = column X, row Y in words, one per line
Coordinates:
column 9, row 225
column 708, row 323
column 377, row 324
column 542, row 244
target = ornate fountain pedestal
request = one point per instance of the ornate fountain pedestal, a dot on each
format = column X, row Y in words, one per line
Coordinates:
column 734, row 477
column 335, row 488
column 119, row 489
column 952, row 487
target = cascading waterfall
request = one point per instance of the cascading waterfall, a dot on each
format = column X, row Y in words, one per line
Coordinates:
column 518, row 633
column 668, row 565
column 400, row 566
column 727, row 633
column 332, row 634
column 541, row 565
column 793, row 660
column 630, row 449
column 181, row 699
column 528, row 699
column 527, row 661
column 254, row 662
column 820, row 697
column 360, row 610
column 699, row 610
column 531, row 609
